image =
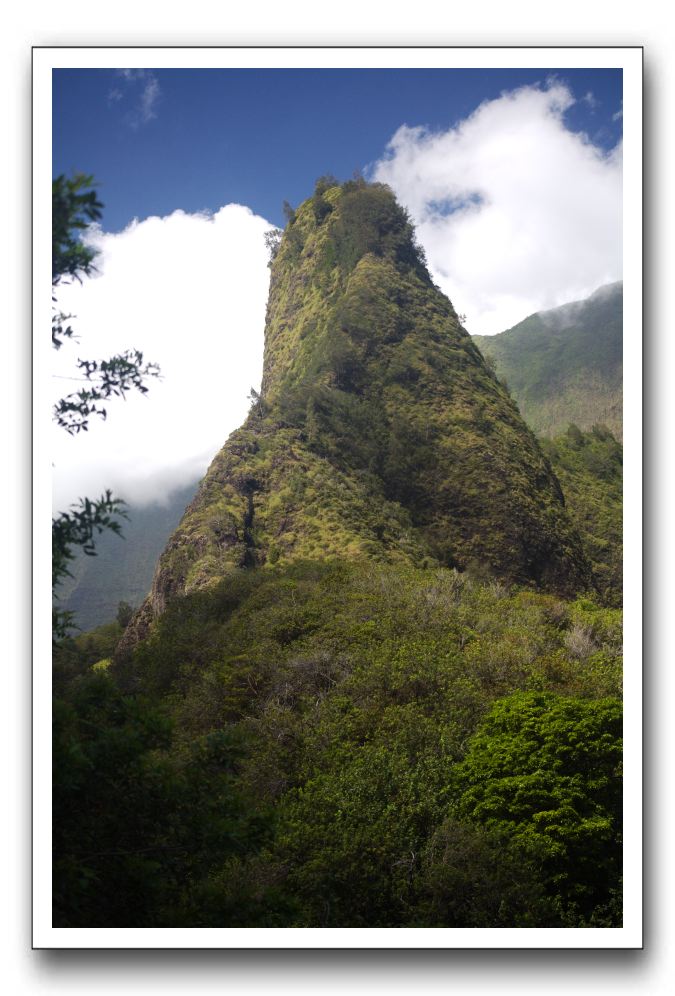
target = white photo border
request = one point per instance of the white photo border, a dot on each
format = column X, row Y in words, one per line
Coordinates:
column 630, row 60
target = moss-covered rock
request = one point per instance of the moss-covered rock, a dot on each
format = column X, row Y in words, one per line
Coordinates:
column 380, row 432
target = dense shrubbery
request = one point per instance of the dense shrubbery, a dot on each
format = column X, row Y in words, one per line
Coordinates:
column 589, row 466
column 329, row 758
column 317, row 720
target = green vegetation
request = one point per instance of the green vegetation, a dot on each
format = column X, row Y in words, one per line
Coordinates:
column 372, row 684
column 75, row 207
column 353, row 704
column 565, row 365
column 544, row 772
column 589, row 466
column 380, row 431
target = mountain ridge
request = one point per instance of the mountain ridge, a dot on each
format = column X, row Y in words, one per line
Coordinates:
column 358, row 682
column 565, row 365
column 379, row 432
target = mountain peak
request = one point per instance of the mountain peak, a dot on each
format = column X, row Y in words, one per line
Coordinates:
column 343, row 238
column 380, row 432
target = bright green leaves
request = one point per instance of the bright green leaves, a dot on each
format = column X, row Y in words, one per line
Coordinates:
column 546, row 771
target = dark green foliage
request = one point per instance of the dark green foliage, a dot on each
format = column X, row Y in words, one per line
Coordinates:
column 77, row 529
column 137, row 832
column 330, row 686
column 124, row 614
column 107, row 378
column 75, row 207
column 79, row 526
column 356, row 691
column 272, row 243
column 589, row 466
column 474, row 877
column 105, row 853
column 320, row 206
column 76, row 655
column 370, row 221
column 546, row 771
column 565, row 365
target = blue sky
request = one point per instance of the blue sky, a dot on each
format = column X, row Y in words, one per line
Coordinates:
column 513, row 180
column 257, row 137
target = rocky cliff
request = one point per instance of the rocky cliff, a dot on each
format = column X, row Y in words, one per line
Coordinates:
column 380, row 431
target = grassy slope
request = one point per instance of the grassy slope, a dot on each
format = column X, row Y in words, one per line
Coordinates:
column 565, row 365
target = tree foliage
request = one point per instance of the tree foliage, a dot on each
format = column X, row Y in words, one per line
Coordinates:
column 323, row 725
column 545, row 771
column 107, row 378
column 75, row 206
column 366, row 698
column 77, row 529
column 134, row 828
column 589, row 466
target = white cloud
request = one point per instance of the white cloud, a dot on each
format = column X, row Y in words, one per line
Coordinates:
column 190, row 292
column 146, row 99
column 516, row 213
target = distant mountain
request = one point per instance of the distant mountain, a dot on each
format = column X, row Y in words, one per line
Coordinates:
column 565, row 365
column 122, row 569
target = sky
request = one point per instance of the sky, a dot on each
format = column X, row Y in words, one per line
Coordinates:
column 513, row 179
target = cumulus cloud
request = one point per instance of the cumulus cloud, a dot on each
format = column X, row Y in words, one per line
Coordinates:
column 189, row 291
column 142, row 90
column 516, row 212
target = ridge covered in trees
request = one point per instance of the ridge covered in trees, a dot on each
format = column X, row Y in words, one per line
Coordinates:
column 376, row 681
column 565, row 365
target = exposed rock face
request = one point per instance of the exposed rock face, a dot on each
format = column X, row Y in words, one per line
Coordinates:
column 380, row 433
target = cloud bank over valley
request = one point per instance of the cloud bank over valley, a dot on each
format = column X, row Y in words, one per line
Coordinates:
column 189, row 291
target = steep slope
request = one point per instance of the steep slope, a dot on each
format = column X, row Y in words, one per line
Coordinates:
column 306, row 737
column 565, row 365
column 380, row 432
